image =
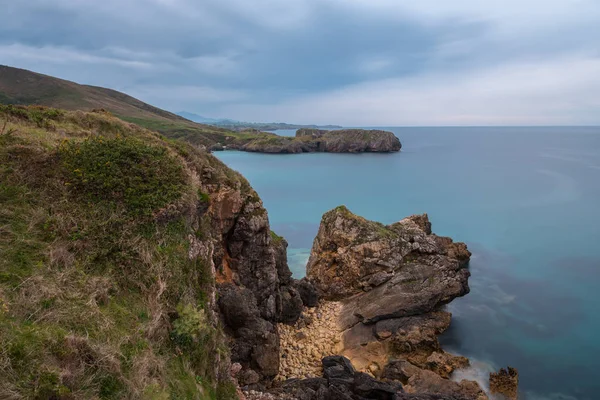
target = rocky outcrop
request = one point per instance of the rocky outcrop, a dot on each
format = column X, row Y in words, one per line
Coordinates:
column 399, row 269
column 505, row 382
column 254, row 283
column 387, row 285
column 315, row 140
column 360, row 140
column 382, row 289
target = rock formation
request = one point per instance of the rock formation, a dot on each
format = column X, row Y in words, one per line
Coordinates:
column 383, row 289
column 505, row 382
column 254, row 283
column 315, row 140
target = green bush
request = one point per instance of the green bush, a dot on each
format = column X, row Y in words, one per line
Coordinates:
column 122, row 171
column 191, row 328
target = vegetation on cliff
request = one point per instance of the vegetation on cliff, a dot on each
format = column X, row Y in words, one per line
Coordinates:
column 105, row 290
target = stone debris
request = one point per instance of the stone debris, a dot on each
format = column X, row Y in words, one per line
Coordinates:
column 304, row 344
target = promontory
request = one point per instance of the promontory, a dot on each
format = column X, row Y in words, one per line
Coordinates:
column 316, row 140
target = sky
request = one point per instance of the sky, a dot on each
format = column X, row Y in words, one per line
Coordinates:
column 347, row 62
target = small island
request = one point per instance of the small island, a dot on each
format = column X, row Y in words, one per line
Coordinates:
column 309, row 140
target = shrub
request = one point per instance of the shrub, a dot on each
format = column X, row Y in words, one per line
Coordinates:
column 191, row 328
column 122, row 171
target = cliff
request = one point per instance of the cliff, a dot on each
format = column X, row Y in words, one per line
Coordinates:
column 383, row 289
column 131, row 266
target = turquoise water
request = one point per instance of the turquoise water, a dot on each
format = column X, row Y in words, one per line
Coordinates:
column 525, row 200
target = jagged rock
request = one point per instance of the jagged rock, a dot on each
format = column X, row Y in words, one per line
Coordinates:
column 399, row 370
column 391, row 282
column 360, row 140
column 255, row 341
column 424, row 381
column 253, row 280
column 370, row 388
column 505, row 382
column 444, row 364
column 406, row 270
column 308, row 292
column 314, row 140
column 280, row 246
column 360, row 386
column 291, row 305
column 338, row 370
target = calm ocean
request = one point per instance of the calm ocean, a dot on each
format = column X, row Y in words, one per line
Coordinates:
column 525, row 200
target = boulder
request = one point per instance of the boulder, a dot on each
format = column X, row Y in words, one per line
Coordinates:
column 290, row 307
column 254, row 341
column 308, row 292
column 505, row 382
column 424, row 381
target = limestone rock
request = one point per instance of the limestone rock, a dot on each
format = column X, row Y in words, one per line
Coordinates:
column 444, row 364
column 505, row 382
column 314, row 140
column 404, row 269
column 429, row 382
column 308, row 292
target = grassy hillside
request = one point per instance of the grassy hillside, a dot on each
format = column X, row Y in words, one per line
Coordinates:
column 22, row 87
column 100, row 297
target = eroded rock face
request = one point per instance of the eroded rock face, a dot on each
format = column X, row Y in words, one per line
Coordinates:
column 505, row 382
column 254, row 284
column 315, row 140
column 398, row 270
column 360, row 140
column 429, row 382
column 391, row 282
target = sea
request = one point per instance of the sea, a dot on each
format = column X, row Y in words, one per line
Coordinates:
column 526, row 200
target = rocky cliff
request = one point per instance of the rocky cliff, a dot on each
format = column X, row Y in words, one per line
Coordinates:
column 383, row 289
column 131, row 266
column 315, row 140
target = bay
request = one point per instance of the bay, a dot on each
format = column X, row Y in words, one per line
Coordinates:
column 525, row 200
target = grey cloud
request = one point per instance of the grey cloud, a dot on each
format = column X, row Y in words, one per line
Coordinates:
column 273, row 51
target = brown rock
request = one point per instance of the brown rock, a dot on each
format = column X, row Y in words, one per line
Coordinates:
column 425, row 381
column 505, row 382
column 406, row 270
column 444, row 364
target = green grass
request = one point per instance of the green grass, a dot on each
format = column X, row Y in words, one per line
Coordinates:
column 122, row 171
column 275, row 237
column 99, row 297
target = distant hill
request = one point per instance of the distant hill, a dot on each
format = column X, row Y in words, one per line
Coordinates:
column 240, row 125
column 198, row 118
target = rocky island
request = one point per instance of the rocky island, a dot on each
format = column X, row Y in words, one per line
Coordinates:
column 316, row 140
column 132, row 266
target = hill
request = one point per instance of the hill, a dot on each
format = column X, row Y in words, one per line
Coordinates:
column 240, row 125
column 23, row 87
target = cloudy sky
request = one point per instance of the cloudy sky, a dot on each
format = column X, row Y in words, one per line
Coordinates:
column 349, row 62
